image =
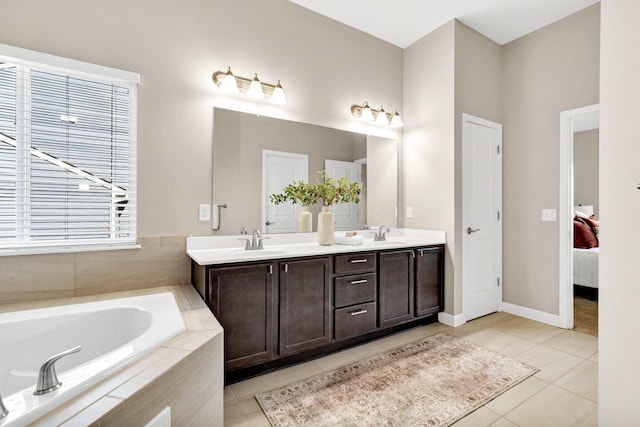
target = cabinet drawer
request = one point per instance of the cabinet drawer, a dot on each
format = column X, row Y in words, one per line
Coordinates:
column 355, row 320
column 355, row 263
column 357, row 289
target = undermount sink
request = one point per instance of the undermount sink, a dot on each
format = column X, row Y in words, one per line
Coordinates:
column 259, row 252
column 389, row 242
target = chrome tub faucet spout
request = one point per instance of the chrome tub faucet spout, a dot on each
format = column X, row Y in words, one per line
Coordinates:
column 47, row 379
column 3, row 410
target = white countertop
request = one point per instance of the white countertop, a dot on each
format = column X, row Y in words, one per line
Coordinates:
column 213, row 250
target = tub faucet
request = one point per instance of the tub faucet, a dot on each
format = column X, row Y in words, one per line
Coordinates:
column 47, row 378
column 255, row 242
column 3, row 410
column 381, row 235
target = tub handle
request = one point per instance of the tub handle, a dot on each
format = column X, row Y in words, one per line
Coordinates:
column 47, row 378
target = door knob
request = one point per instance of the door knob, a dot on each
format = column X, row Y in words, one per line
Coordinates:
column 270, row 222
column 472, row 230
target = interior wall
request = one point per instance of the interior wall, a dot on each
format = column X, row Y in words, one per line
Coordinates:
column 428, row 141
column 381, row 182
column 619, row 381
column 478, row 83
column 586, row 170
column 548, row 71
column 324, row 66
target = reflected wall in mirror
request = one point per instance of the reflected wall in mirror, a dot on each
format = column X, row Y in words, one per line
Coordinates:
column 242, row 142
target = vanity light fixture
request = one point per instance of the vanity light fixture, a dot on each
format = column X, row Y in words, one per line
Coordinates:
column 253, row 88
column 367, row 114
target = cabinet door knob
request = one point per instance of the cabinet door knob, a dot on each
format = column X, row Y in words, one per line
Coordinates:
column 358, row 282
column 358, row 261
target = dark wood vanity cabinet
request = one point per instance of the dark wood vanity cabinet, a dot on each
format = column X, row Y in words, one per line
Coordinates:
column 429, row 280
column 243, row 299
column 305, row 304
column 281, row 311
column 396, row 287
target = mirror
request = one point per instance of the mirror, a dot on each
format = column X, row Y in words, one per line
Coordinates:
column 240, row 141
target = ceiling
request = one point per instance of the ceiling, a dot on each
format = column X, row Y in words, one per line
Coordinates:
column 402, row 22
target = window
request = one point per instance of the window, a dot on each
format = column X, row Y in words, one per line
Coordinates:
column 67, row 153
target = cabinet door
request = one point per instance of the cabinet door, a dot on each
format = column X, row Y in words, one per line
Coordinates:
column 242, row 299
column 305, row 304
column 395, row 284
column 429, row 280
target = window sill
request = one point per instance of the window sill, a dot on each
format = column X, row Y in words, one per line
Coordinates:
column 65, row 249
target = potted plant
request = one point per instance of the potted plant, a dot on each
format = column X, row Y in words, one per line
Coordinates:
column 332, row 191
column 300, row 193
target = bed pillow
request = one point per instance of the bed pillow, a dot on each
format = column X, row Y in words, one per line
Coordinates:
column 583, row 235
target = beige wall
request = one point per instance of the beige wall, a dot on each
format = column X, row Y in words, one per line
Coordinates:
column 551, row 70
column 586, row 169
column 324, row 66
column 428, row 143
column 239, row 139
column 619, row 380
column 478, row 78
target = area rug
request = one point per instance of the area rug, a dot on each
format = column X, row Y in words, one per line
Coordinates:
column 431, row 382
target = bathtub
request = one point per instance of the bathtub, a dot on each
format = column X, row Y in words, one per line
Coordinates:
column 112, row 334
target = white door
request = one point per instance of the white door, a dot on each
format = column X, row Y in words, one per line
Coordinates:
column 280, row 169
column 481, row 222
column 346, row 215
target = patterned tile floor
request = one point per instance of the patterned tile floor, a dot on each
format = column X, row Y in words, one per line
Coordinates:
column 563, row 393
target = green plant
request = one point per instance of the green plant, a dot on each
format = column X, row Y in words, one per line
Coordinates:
column 299, row 192
column 331, row 191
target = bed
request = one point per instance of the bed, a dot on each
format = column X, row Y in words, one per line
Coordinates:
column 585, row 254
column 585, row 267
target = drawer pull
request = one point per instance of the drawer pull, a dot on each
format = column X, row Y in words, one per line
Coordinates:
column 358, row 261
column 357, row 312
column 358, row 282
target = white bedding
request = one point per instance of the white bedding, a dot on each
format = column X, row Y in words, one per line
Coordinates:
column 585, row 267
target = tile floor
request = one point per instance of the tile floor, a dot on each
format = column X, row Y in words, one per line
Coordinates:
column 563, row 393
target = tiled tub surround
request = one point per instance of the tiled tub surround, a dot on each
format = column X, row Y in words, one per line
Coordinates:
column 185, row 373
column 161, row 261
column 216, row 250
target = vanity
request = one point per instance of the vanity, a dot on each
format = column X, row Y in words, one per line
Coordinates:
column 294, row 299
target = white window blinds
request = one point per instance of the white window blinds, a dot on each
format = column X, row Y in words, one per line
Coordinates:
column 67, row 157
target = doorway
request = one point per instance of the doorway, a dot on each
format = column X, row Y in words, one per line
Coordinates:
column 280, row 169
column 571, row 121
column 481, row 217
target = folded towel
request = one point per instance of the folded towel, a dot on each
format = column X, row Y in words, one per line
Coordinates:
column 341, row 239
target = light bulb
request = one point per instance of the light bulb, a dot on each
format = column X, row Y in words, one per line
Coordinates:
column 255, row 89
column 229, row 83
column 365, row 114
column 381, row 117
column 396, row 121
column 277, row 97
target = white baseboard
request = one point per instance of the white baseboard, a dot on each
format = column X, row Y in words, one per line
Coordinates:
column 532, row 314
column 451, row 320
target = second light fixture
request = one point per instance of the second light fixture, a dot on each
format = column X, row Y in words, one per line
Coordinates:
column 253, row 88
column 367, row 114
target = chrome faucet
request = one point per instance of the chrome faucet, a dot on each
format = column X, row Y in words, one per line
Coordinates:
column 381, row 235
column 255, row 242
column 3, row 410
column 47, row 378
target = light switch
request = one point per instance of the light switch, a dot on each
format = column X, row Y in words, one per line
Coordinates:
column 549, row 215
column 204, row 212
column 409, row 212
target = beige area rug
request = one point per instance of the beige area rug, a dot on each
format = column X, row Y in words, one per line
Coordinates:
column 431, row 382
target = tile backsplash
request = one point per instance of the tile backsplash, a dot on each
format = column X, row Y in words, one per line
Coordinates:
column 161, row 261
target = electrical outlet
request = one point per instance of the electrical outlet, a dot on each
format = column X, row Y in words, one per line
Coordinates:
column 409, row 212
column 204, row 212
column 549, row 215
